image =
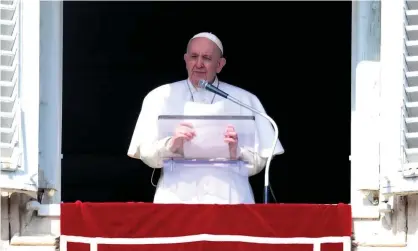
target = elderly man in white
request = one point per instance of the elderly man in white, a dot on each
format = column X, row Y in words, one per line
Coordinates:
column 204, row 60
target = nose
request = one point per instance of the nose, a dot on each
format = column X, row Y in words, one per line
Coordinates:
column 199, row 62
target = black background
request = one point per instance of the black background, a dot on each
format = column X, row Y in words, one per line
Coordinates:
column 295, row 56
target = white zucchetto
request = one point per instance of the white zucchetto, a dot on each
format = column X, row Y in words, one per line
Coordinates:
column 211, row 37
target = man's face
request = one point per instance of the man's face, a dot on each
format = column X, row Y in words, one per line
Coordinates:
column 203, row 60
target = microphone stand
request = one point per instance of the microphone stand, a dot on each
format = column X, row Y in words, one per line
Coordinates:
column 204, row 84
column 276, row 136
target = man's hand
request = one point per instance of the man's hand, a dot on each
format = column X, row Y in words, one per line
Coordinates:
column 231, row 137
column 183, row 132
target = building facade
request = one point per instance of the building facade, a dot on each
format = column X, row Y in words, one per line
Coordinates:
column 384, row 124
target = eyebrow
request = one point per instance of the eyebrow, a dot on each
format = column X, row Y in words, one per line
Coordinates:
column 204, row 54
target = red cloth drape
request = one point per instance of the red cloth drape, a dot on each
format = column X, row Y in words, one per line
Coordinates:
column 139, row 220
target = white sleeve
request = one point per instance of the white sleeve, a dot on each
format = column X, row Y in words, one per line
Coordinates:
column 264, row 137
column 264, row 133
column 258, row 162
column 152, row 152
column 145, row 144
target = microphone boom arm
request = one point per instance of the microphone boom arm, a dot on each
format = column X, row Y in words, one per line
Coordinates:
column 276, row 137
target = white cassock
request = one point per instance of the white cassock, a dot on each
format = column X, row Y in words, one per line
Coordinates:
column 170, row 99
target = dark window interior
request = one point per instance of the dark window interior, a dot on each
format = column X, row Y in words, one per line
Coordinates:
column 295, row 56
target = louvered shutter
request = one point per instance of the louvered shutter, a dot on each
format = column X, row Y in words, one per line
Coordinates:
column 10, row 115
column 19, row 20
column 399, row 98
column 409, row 136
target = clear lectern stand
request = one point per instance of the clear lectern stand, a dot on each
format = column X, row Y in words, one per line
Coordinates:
column 205, row 172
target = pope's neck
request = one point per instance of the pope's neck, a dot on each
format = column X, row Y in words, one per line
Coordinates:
column 197, row 84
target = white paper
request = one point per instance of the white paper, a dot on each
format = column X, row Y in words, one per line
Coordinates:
column 200, row 109
column 209, row 140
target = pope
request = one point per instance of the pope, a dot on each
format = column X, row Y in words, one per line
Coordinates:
column 204, row 60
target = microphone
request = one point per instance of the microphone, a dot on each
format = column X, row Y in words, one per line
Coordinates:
column 205, row 85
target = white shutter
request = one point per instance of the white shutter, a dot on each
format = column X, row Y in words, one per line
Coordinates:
column 399, row 107
column 10, row 116
column 410, row 109
column 19, row 115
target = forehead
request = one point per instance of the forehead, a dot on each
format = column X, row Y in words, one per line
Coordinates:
column 202, row 46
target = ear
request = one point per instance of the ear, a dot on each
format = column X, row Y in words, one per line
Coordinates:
column 185, row 57
column 221, row 64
